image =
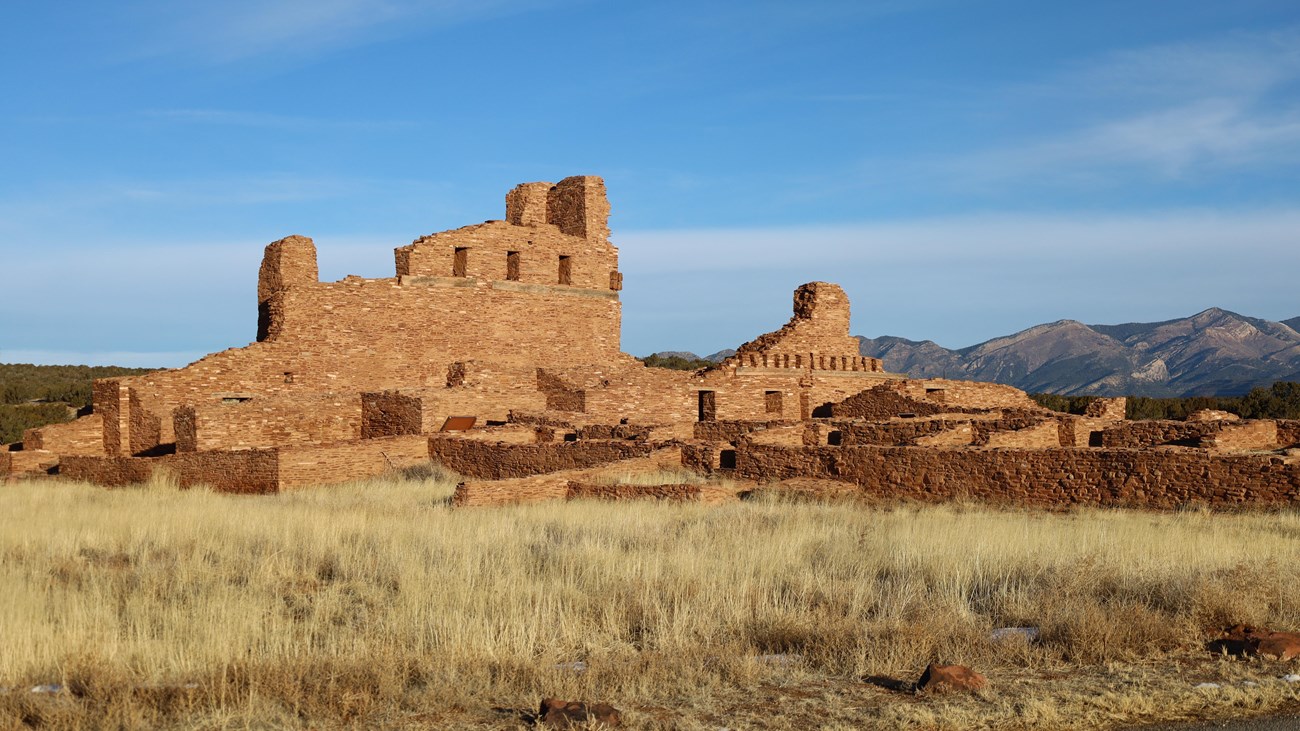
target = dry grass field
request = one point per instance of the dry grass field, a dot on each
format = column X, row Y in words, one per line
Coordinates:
column 374, row 605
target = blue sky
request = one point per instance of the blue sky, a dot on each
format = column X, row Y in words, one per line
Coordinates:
column 964, row 168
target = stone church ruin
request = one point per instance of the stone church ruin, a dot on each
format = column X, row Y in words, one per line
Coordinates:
column 494, row 351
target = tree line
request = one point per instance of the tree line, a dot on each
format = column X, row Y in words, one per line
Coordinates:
column 1279, row 401
column 34, row 395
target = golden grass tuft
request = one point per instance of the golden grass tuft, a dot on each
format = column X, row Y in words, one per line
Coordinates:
column 374, row 604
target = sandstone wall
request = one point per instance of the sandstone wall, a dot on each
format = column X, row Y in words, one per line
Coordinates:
column 27, row 462
column 390, row 414
column 81, row 436
column 817, row 335
column 1244, row 436
column 487, row 461
column 373, row 335
column 1045, row 434
column 310, row 466
column 598, row 491
column 244, row 471
column 555, row 485
column 1043, row 477
column 1151, row 433
column 268, row 422
column 958, row 395
column 1113, row 409
column 708, row 494
column 1288, row 432
column 884, row 402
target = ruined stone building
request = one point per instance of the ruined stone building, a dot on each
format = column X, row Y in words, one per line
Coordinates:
column 494, row 350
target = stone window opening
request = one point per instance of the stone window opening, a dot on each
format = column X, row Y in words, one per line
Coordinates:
column 566, row 269
column 727, row 459
column 512, row 266
column 288, row 377
column 460, row 262
column 772, row 401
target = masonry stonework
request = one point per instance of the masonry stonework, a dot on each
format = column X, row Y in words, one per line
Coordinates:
column 494, row 350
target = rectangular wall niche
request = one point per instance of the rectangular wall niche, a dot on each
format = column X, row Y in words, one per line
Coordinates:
column 460, row 262
column 772, row 401
column 708, row 406
column 512, row 266
column 566, row 269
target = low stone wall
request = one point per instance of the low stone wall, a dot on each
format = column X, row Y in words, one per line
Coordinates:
column 617, row 431
column 952, row 431
column 268, row 422
column 706, row 494
column 884, row 402
column 110, row 471
column 1058, row 477
column 596, row 491
column 489, row 461
column 81, row 436
column 1153, row 433
column 1288, row 432
column 327, row 465
column 1043, row 435
column 243, row 471
column 390, row 414
column 555, row 485
column 730, row 431
column 1244, row 436
column 28, row 462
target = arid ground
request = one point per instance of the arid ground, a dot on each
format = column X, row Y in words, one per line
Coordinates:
column 376, row 605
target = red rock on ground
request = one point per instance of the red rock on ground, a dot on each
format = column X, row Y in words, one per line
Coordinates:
column 944, row 678
column 566, row 714
column 1245, row 640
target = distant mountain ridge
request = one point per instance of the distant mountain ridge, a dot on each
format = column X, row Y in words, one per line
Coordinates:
column 1211, row 353
column 1215, row 352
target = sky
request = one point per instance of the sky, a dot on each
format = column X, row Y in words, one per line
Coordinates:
column 963, row 168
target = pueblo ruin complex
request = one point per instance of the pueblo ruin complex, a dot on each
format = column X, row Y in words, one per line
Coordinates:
column 494, row 351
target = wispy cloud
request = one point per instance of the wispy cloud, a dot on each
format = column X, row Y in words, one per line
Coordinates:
column 1171, row 143
column 1171, row 112
column 238, row 29
column 266, row 120
column 962, row 279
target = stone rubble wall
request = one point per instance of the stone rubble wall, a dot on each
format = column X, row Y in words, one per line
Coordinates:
column 555, row 485
column 1288, row 432
column 499, row 461
column 1043, row 435
column 886, row 401
column 1243, row 436
column 1052, row 478
column 958, row 395
column 390, row 414
column 1155, row 432
column 243, row 471
column 256, row 470
column 707, row 494
column 1114, row 409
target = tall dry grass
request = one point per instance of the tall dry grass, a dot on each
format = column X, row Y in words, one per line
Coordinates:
column 375, row 604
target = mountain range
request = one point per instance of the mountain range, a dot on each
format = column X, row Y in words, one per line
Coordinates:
column 1211, row 353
